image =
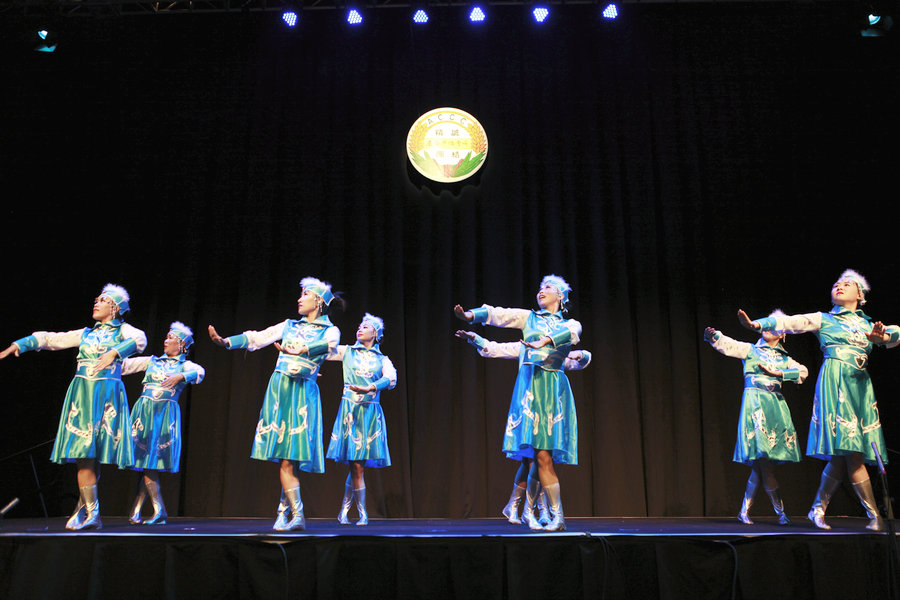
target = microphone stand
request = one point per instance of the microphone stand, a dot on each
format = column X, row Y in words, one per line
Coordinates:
column 893, row 552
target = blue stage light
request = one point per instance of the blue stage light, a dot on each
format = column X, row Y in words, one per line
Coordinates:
column 477, row 14
column 877, row 25
column 610, row 12
column 540, row 13
column 420, row 17
column 354, row 17
column 289, row 17
column 46, row 41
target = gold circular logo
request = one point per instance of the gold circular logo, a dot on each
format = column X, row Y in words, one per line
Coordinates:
column 447, row 145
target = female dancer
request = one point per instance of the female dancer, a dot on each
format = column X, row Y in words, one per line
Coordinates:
column 845, row 419
column 359, row 434
column 542, row 423
column 156, row 417
column 290, row 421
column 765, row 430
column 93, row 426
column 575, row 361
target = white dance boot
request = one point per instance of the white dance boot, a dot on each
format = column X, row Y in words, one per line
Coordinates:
column 135, row 516
column 281, row 517
column 346, row 503
column 866, row 496
column 558, row 522
column 91, row 509
column 511, row 510
column 531, row 492
column 159, row 507
column 778, row 505
column 827, row 486
column 298, row 521
column 360, row 495
column 747, row 502
column 77, row 518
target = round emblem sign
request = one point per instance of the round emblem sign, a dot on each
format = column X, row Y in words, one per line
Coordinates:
column 447, row 145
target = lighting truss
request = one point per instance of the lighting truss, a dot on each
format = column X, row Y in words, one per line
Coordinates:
column 153, row 7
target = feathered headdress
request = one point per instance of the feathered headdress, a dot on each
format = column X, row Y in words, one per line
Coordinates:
column 562, row 288
column 117, row 294
column 319, row 287
column 182, row 332
column 376, row 323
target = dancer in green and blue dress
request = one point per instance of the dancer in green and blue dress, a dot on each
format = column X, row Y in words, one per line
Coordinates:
column 94, row 427
column 766, row 431
column 289, row 430
column 575, row 361
column 542, row 424
column 359, row 435
column 156, row 416
column 845, row 421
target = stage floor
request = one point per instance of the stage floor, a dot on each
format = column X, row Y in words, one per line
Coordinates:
column 447, row 528
column 627, row 558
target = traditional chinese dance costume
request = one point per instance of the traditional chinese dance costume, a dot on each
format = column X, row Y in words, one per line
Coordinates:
column 542, row 408
column 156, row 419
column 765, row 428
column 290, row 420
column 845, row 416
column 359, row 434
column 94, row 423
column 575, row 361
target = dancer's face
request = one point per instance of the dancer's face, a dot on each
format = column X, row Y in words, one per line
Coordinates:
column 307, row 303
column 365, row 333
column 845, row 292
column 172, row 345
column 104, row 309
column 771, row 337
column 548, row 298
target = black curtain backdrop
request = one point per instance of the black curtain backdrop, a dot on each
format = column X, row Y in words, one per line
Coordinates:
column 675, row 165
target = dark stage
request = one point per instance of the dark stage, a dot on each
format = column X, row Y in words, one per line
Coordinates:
column 442, row 558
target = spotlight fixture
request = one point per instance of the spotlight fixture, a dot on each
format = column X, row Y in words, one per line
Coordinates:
column 46, row 40
column 610, row 12
column 876, row 25
column 540, row 13
column 290, row 17
column 354, row 17
column 477, row 14
column 420, row 16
